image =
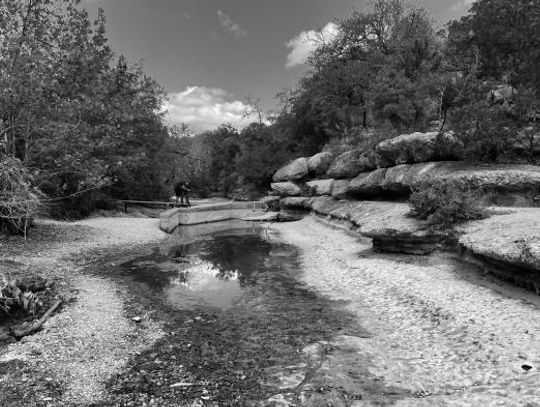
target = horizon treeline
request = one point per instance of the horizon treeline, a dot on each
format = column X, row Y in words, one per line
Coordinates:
column 80, row 126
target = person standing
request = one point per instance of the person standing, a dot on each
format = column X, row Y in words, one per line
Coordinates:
column 178, row 192
column 185, row 194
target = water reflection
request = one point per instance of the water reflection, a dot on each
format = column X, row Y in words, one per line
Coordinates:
column 203, row 284
column 216, row 270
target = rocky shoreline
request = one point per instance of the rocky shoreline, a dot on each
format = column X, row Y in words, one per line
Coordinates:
column 366, row 190
column 507, row 244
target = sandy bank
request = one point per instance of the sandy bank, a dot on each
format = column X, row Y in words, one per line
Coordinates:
column 444, row 335
column 91, row 338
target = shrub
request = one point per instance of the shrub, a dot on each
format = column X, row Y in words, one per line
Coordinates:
column 13, row 299
column 444, row 204
column 19, row 202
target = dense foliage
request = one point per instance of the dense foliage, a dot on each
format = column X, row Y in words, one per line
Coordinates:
column 84, row 125
column 389, row 71
column 78, row 118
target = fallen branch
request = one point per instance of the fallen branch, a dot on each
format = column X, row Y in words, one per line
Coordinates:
column 20, row 333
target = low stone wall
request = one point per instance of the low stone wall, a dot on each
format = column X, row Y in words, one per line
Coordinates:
column 169, row 220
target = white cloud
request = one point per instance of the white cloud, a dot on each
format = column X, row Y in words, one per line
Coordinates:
column 205, row 108
column 461, row 6
column 228, row 24
column 304, row 43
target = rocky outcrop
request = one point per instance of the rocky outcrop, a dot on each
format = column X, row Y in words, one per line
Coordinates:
column 350, row 164
column 287, row 188
column 386, row 223
column 320, row 187
column 319, row 163
column 296, row 170
column 488, row 178
column 508, row 244
column 418, row 147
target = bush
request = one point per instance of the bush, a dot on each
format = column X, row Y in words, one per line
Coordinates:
column 13, row 299
column 19, row 202
column 444, row 204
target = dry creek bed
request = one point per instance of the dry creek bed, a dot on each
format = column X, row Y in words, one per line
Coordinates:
column 364, row 329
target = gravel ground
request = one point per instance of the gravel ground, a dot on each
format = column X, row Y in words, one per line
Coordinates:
column 440, row 331
column 91, row 338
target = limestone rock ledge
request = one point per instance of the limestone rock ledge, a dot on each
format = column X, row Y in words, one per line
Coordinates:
column 386, row 223
column 507, row 244
column 519, row 179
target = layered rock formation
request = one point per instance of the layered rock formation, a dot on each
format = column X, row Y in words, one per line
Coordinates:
column 488, row 178
column 386, row 223
column 508, row 243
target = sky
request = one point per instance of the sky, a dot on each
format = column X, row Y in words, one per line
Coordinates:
column 211, row 55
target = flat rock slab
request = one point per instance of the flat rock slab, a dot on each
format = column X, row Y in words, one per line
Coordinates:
column 387, row 223
column 512, row 238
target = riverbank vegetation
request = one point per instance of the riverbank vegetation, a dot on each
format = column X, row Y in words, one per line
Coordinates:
column 391, row 70
column 81, row 126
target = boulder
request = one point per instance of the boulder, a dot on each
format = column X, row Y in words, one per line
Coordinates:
column 271, row 203
column 319, row 163
column 418, row 147
column 296, row 170
column 367, row 184
column 350, row 164
column 320, row 187
column 296, row 203
column 286, row 188
column 339, row 189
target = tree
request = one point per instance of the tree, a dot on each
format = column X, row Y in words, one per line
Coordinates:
column 492, row 56
column 380, row 70
column 77, row 117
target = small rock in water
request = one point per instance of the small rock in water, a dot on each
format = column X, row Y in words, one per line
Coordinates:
column 526, row 367
column 136, row 319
